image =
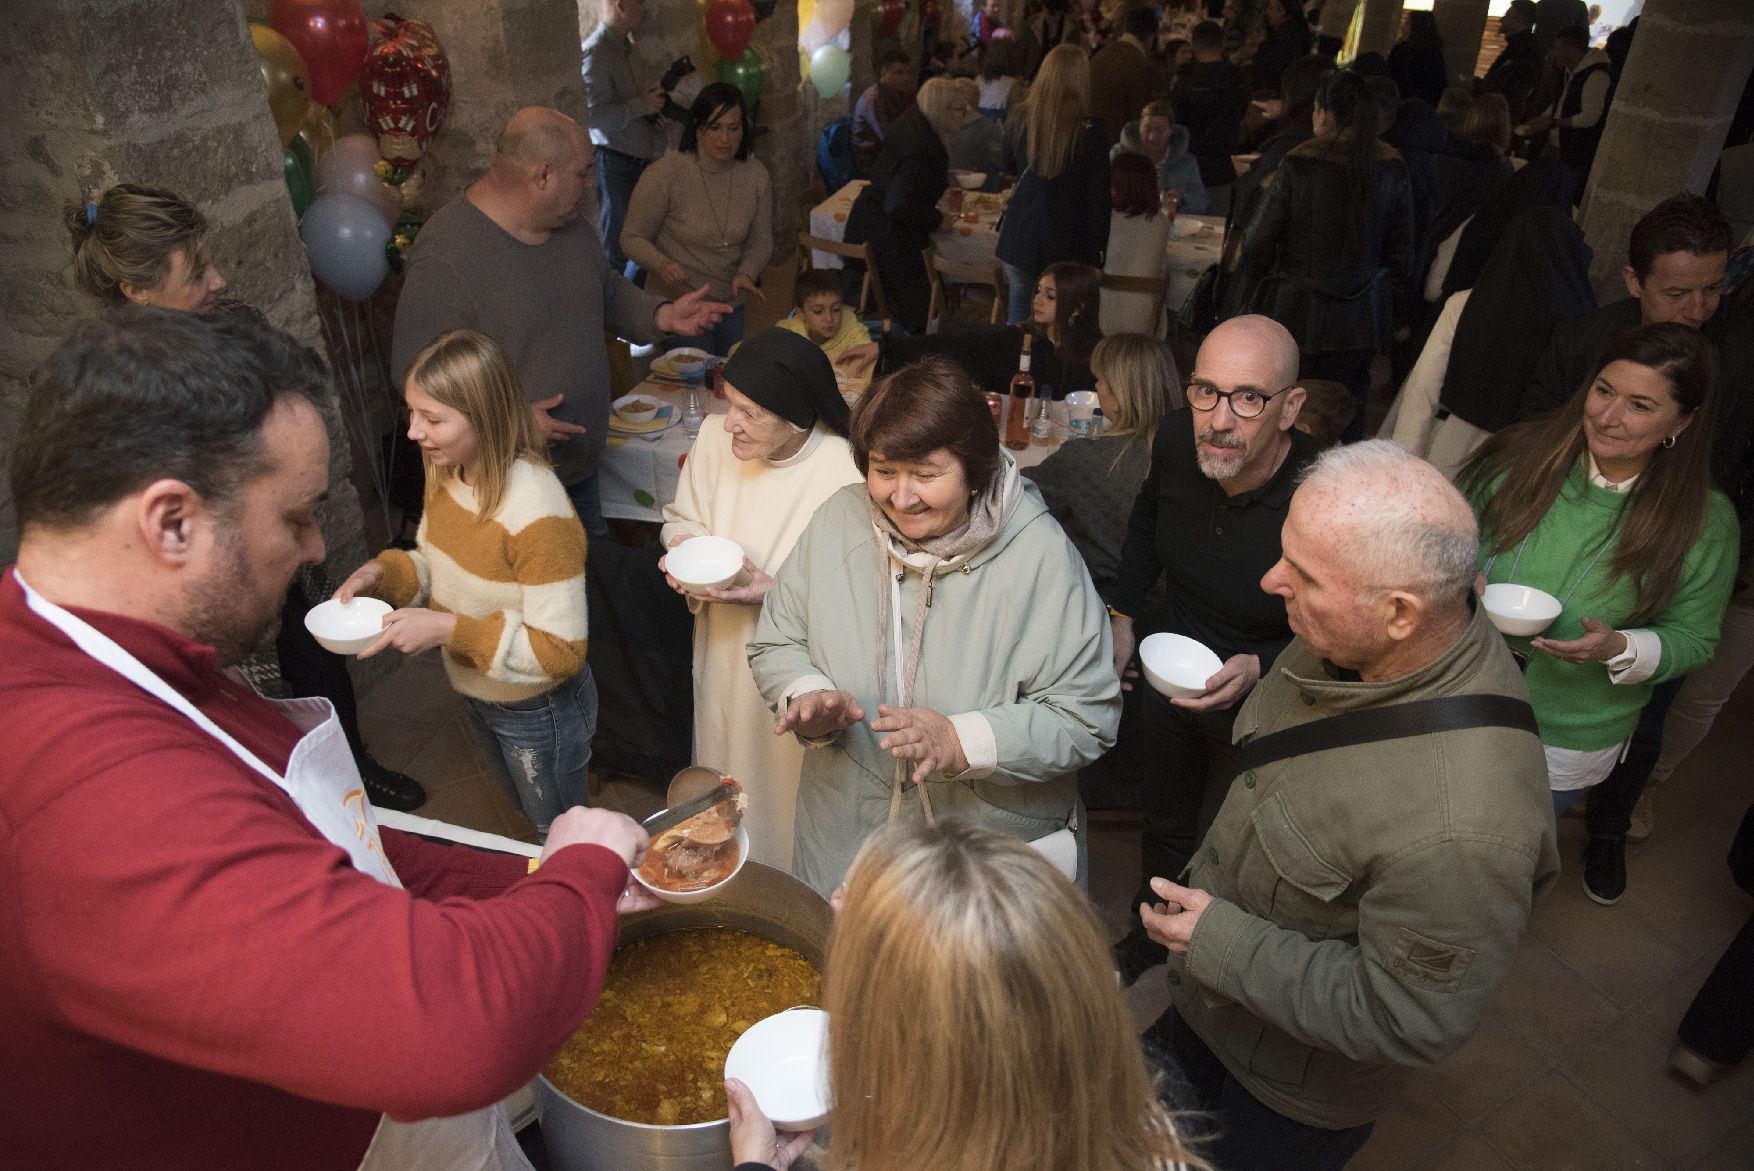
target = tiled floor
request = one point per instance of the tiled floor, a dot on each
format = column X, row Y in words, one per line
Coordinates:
column 1567, row 1071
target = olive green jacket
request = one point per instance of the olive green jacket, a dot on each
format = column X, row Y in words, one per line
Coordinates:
column 1366, row 900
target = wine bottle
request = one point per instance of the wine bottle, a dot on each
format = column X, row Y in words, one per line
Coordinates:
column 1022, row 393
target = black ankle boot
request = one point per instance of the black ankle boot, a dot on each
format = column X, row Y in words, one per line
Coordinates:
column 388, row 789
column 1604, row 870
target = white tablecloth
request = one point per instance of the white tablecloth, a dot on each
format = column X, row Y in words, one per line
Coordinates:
column 637, row 475
column 1192, row 252
column 1195, row 241
column 974, row 239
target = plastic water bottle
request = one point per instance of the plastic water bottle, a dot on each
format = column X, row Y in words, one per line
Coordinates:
column 694, row 415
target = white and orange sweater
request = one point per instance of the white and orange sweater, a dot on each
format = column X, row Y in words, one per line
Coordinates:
column 516, row 583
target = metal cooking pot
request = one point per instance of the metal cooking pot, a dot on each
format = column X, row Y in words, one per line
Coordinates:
column 760, row 900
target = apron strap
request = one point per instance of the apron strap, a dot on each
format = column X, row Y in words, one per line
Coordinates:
column 105, row 650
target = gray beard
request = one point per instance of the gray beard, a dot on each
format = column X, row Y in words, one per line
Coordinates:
column 1218, row 468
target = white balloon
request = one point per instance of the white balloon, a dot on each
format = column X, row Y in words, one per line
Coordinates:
column 834, row 15
column 813, row 37
column 348, row 169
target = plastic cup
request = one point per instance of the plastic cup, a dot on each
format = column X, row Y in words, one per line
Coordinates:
column 1081, row 407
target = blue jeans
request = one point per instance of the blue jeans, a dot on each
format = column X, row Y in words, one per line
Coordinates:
column 587, row 501
column 540, row 748
column 1019, row 294
column 718, row 339
column 617, row 174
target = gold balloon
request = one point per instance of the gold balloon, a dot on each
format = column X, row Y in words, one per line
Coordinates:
column 283, row 70
column 318, row 130
column 706, row 57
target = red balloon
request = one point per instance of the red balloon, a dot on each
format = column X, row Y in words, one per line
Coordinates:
column 890, row 13
column 330, row 35
column 406, row 88
column 729, row 25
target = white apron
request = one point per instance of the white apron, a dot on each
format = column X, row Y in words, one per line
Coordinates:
column 323, row 781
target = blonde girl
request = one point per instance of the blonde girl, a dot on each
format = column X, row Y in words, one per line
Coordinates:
column 497, row 575
column 974, row 1020
column 1060, row 208
column 1089, row 485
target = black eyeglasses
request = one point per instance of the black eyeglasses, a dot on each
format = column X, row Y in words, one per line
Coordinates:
column 1245, row 402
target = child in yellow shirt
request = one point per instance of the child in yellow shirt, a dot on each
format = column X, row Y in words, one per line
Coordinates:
column 822, row 316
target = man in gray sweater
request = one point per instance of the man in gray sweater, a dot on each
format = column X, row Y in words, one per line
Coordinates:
column 510, row 257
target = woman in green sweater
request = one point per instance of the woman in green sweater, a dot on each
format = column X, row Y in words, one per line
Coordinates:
column 1607, row 505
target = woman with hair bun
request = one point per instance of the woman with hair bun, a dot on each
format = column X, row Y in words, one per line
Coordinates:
column 143, row 245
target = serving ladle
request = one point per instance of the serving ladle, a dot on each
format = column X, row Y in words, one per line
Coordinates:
column 706, row 806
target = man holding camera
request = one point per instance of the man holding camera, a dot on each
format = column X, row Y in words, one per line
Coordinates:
column 627, row 129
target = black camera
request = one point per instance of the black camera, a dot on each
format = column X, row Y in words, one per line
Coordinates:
column 679, row 69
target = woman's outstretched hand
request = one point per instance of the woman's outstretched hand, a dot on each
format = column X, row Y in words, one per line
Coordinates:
column 816, row 714
column 923, row 736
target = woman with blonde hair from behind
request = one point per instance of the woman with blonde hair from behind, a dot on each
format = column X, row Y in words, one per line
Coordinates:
column 1060, row 208
column 974, row 1021
column 496, row 577
column 1089, row 485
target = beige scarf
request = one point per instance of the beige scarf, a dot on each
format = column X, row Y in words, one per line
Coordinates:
column 988, row 513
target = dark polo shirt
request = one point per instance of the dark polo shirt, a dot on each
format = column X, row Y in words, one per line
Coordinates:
column 1211, row 549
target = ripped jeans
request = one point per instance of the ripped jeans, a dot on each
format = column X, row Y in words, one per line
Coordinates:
column 540, row 748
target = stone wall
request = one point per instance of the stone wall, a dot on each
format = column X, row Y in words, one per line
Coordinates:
column 164, row 92
column 1666, row 127
column 504, row 55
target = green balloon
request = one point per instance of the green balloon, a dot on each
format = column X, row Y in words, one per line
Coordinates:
column 301, row 182
column 747, row 73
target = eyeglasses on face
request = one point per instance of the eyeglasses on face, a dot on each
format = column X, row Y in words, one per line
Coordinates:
column 1246, row 402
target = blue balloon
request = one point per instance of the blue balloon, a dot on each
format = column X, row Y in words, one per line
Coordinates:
column 344, row 238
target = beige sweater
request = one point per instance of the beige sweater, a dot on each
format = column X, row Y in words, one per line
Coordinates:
column 515, row 581
column 713, row 219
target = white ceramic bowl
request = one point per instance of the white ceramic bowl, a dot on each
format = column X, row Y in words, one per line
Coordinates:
column 347, row 628
column 687, row 361
column 1176, row 665
column 627, row 412
column 1519, row 609
column 969, row 180
column 705, row 563
column 783, row 1059
column 705, row 892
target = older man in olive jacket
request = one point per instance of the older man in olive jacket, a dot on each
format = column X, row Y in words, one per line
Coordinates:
column 1354, row 906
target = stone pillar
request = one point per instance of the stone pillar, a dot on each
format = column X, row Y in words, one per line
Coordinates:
column 504, row 55
column 1378, row 23
column 1462, row 24
column 1666, row 127
column 162, row 92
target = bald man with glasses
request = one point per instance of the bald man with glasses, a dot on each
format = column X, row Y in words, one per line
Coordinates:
column 1206, row 525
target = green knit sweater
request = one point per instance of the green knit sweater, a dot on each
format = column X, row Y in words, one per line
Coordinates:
column 1576, row 704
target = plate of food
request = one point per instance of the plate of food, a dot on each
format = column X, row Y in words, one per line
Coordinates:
column 679, row 364
column 664, row 416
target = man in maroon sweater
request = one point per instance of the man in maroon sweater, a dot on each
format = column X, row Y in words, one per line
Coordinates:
column 192, row 890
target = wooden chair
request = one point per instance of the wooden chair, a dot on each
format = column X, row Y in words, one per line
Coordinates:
column 944, row 273
column 1157, row 288
column 871, row 291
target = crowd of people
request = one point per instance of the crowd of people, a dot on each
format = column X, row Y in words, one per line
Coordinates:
column 927, row 673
